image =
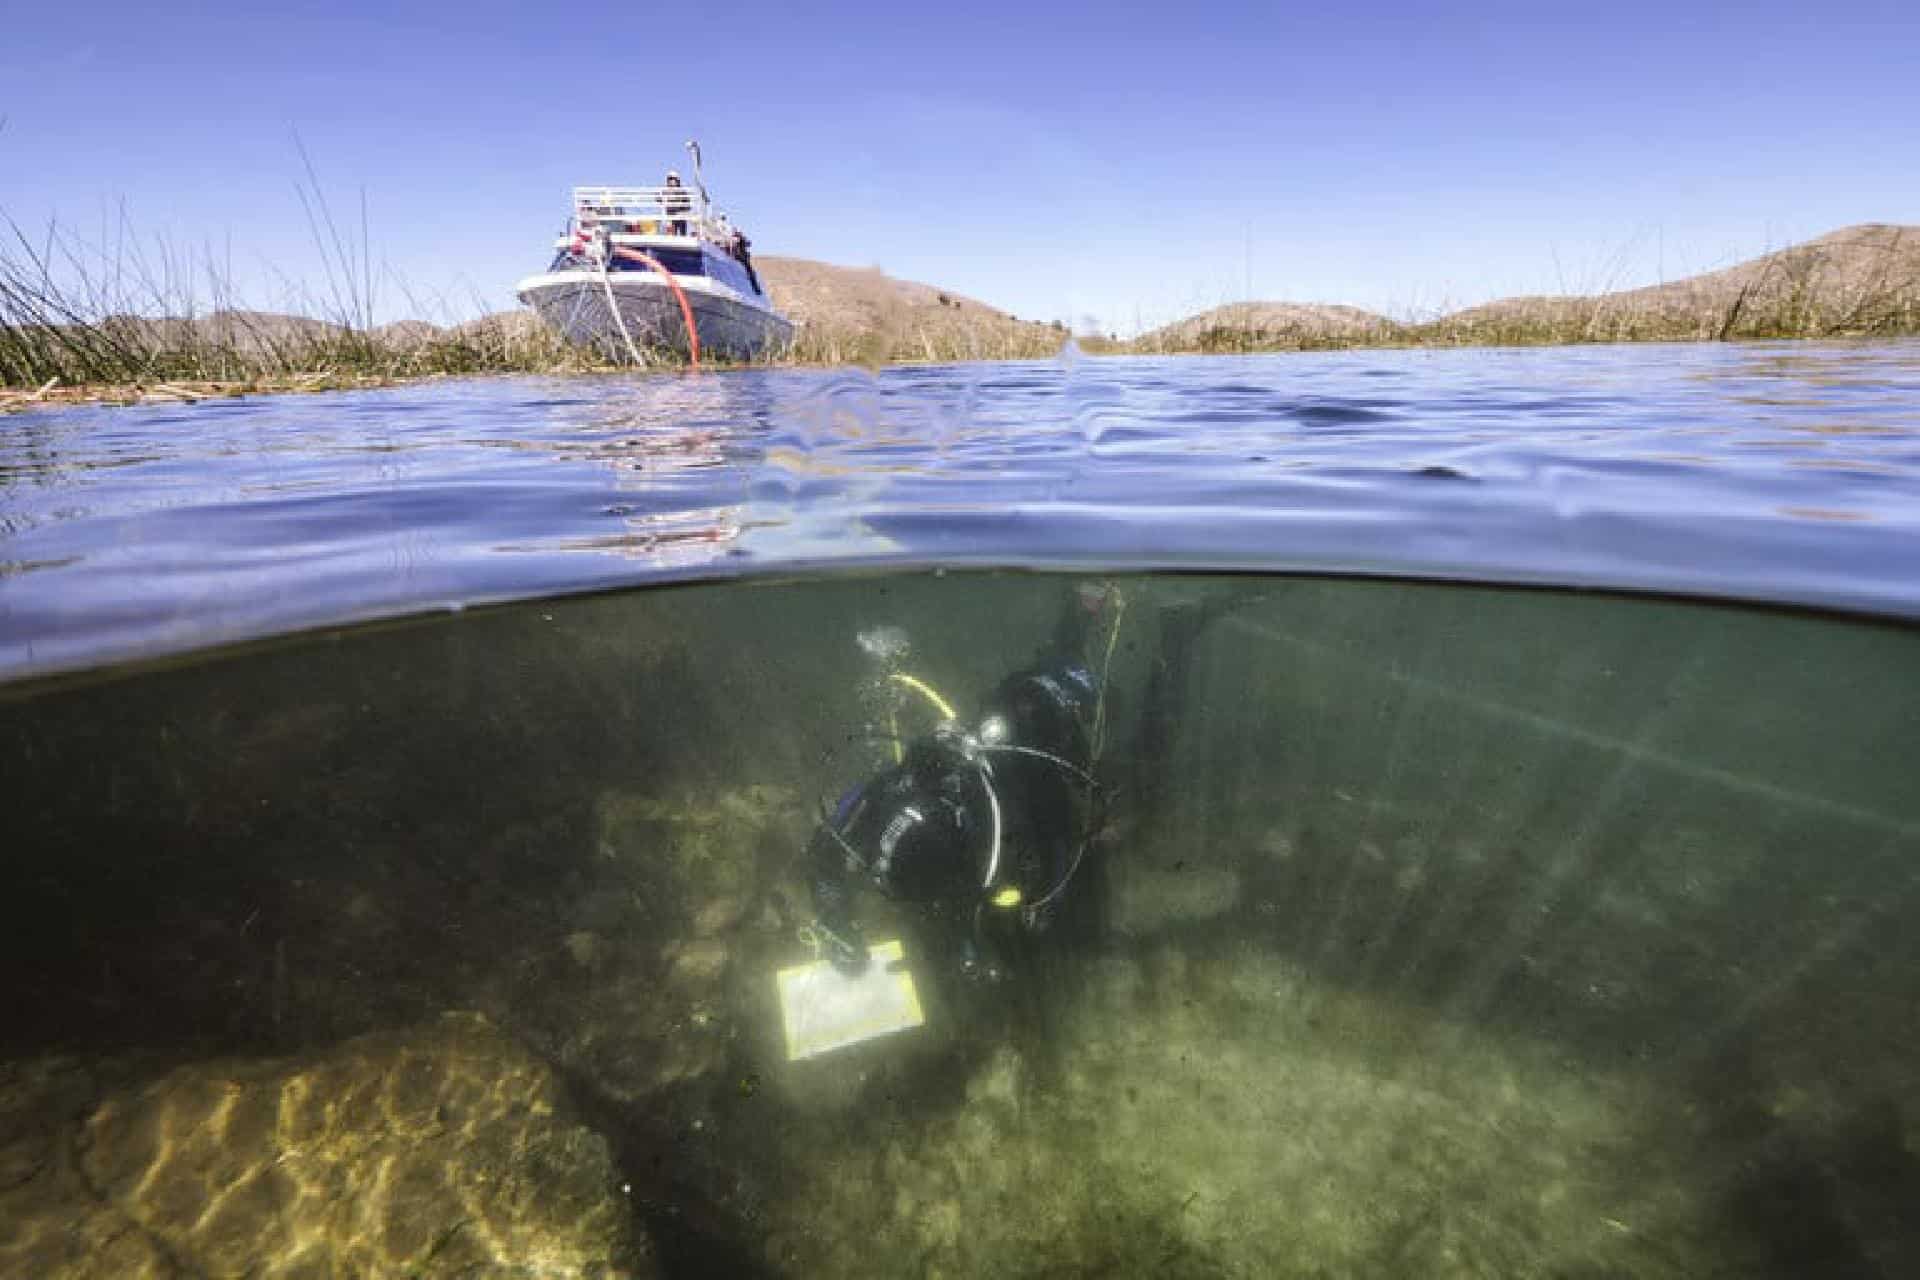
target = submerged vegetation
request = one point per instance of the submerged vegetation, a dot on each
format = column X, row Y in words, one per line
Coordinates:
column 116, row 320
column 1447, row 932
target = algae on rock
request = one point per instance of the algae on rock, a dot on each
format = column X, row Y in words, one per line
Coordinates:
column 438, row 1151
column 1214, row 1112
column 698, row 857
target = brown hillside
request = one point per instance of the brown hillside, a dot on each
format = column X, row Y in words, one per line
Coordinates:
column 859, row 315
column 863, row 314
column 1270, row 326
column 247, row 334
column 1858, row 280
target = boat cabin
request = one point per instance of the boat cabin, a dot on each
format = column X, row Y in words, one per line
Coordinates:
column 675, row 226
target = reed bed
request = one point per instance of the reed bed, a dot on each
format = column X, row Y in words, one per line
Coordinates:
column 1858, row 282
column 136, row 331
column 997, row 339
column 1230, row 339
column 119, row 319
column 1806, row 292
column 123, row 322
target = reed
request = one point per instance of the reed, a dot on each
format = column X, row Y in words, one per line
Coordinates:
column 1228, row 339
column 970, row 338
column 123, row 319
column 85, row 320
column 1859, row 282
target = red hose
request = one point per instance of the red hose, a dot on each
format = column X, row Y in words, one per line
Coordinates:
column 686, row 311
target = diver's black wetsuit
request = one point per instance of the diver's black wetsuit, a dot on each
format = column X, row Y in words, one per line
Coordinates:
column 922, row 832
column 911, row 831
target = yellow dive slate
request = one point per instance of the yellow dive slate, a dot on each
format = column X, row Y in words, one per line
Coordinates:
column 824, row 1009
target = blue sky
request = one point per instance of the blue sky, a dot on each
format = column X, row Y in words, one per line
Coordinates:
column 1128, row 163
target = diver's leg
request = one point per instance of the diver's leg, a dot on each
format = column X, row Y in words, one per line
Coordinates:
column 1163, row 710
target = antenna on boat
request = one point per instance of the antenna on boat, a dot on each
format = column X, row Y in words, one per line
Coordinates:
column 693, row 149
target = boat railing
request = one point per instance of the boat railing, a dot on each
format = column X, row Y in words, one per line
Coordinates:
column 648, row 210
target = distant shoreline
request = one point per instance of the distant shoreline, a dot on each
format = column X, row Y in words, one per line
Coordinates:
column 58, row 394
column 1861, row 281
column 1857, row 282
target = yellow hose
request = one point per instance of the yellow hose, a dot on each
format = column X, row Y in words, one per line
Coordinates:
column 921, row 686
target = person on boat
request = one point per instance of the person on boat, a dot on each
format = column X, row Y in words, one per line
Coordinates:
column 985, row 832
column 742, row 250
column 676, row 203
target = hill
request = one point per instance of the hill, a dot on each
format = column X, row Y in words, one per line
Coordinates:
column 1269, row 326
column 1860, row 280
column 50, row 350
column 863, row 315
column 854, row 315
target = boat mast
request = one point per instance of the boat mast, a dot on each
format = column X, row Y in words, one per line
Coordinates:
column 699, row 181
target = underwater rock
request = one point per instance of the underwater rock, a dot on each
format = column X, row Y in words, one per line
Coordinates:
column 1214, row 1111
column 641, row 1028
column 695, row 965
column 438, row 1151
column 672, row 883
column 719, row 915
column 695, row 857
column 1147, row 899
column 51, row 1225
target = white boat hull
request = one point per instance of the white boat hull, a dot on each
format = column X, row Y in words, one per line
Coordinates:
column 576, row 304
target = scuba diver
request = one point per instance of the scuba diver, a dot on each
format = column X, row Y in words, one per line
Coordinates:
column 988, row 829
column 982, row 828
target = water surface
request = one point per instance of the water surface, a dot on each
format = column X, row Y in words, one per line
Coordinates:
column 1417, row 927
column 1783, row 472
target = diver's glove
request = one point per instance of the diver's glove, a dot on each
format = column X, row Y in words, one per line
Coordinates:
column 977, row 964
column 845, row 949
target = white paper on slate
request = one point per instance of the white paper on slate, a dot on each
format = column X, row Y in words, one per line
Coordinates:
column 824, row 1009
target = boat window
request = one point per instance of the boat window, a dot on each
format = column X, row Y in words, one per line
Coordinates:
column 682, row 262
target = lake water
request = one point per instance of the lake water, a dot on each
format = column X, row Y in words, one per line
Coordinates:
column 1777, row 472
column 1373, row 908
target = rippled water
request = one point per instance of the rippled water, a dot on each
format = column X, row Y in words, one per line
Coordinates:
column 1409, row 929
column 1782, row 472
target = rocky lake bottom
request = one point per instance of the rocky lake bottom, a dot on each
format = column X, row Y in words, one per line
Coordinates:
column 1483, row 938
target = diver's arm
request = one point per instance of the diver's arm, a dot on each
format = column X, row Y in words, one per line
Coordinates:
column 840, row 938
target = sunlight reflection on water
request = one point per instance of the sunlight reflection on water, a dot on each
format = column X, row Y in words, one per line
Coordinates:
column 1770, row 472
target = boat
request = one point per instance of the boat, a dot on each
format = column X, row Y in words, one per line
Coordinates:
column 646, row 272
